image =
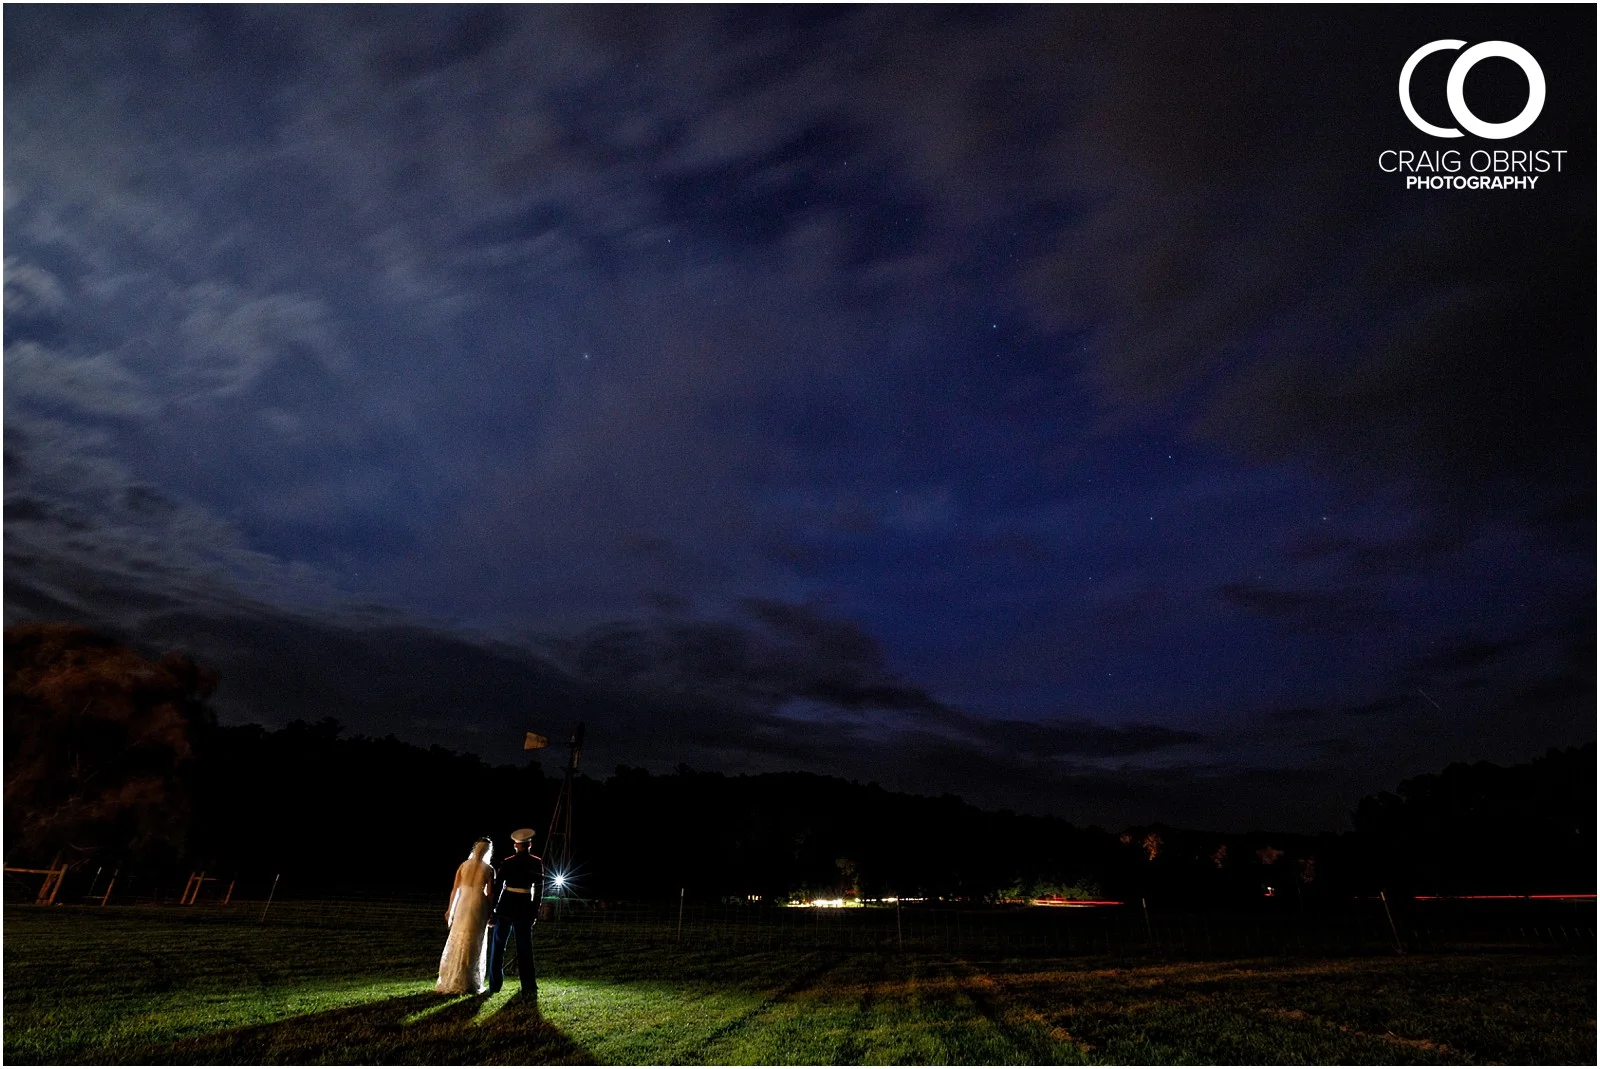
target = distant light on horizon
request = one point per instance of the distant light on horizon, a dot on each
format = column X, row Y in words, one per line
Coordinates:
column 828, row 903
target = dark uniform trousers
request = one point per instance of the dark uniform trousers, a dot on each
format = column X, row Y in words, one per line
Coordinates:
column 516, row 912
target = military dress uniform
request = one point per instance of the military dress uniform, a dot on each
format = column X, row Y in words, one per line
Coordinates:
column 519, row 890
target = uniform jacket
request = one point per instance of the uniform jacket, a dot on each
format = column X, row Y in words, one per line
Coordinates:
column 519, row 870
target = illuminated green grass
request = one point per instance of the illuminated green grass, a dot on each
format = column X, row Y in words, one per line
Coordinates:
column 165, row 986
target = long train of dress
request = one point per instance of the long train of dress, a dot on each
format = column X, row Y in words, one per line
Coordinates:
column 465, row 961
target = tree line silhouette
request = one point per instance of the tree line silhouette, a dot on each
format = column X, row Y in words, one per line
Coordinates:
column 111, row 757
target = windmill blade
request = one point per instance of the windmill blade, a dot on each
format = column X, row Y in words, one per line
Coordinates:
column 530, row 741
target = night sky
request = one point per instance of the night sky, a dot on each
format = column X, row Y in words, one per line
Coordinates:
column 1058, row 407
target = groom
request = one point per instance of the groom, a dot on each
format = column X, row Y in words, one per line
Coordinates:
column 520, row 888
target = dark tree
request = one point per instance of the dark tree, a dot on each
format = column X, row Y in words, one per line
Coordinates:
column 97, row 742
column 335, row 811
column 1486, row 828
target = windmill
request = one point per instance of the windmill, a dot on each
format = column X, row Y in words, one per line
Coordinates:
column 558, row 843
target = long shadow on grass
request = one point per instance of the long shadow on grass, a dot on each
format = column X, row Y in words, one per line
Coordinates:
column 424, row 1029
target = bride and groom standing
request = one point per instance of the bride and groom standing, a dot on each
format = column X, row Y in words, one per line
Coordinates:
column 486, row 906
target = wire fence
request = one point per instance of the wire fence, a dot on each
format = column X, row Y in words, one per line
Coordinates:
column 1349, row 927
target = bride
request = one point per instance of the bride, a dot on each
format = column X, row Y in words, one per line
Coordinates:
column 466, row 952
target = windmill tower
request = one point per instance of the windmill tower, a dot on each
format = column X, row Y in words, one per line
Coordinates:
column 558, row 843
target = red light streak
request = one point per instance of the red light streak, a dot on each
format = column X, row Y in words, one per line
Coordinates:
column 1056, row 902
column 1510, row 898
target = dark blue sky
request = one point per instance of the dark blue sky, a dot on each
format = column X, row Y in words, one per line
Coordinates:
column 1059, row 407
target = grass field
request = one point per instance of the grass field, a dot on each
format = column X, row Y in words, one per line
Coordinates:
column 166, row 985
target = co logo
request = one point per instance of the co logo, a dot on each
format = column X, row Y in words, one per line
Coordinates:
column 1458, row 78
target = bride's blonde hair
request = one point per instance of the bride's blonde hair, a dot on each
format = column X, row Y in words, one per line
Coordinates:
column 481, row 850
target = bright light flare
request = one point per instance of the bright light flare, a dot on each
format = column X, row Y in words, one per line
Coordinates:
column 827, row 903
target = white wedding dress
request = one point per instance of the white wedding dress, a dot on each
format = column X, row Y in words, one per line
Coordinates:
column 465, row 961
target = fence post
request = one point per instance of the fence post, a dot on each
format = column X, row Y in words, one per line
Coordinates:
column 270, row 893
column 43, row 897
column 59, row 876
column 107, row 896
column 681, row 891
column 1399, row 947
